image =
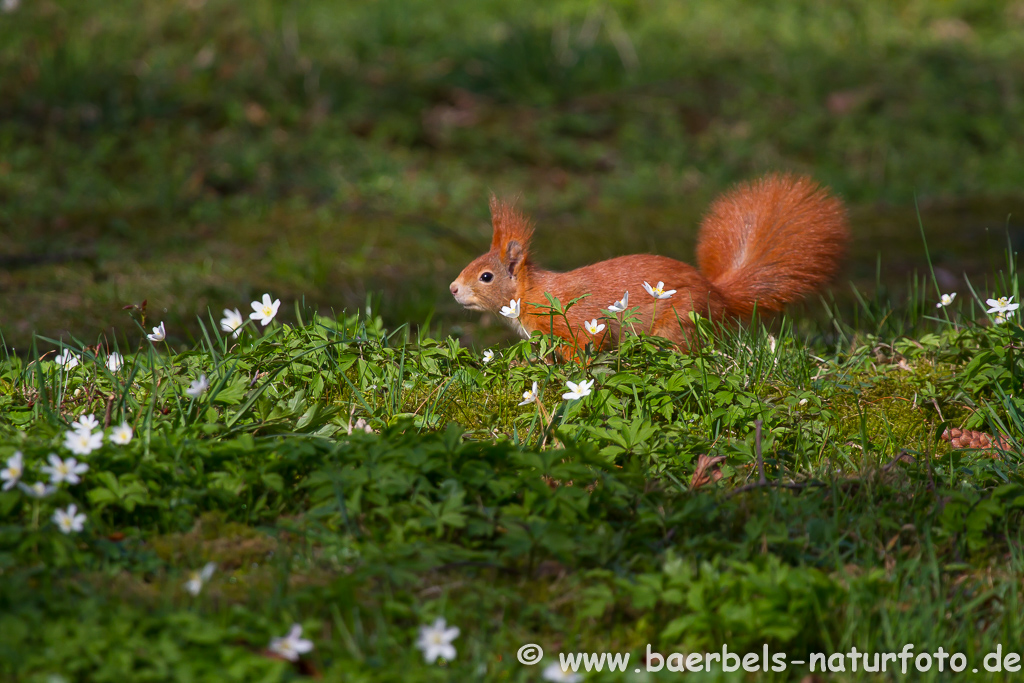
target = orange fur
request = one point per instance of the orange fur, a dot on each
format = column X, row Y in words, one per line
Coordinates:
column 767, row 243
column 771, row 242
column 508, row 225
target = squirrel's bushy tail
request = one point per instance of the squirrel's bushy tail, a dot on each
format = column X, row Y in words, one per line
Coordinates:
column 771, row 241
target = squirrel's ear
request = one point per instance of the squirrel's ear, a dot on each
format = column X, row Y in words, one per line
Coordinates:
column 513, row 257
column 512, row 232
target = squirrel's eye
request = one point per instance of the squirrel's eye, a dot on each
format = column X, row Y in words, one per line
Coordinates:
column 486, row 277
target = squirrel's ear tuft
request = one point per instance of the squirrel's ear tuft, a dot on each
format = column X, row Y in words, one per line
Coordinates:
column 509, row 226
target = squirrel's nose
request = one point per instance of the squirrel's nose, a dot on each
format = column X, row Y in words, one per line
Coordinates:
column 454, row 287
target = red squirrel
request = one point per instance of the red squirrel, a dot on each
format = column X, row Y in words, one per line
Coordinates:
column 766, row 242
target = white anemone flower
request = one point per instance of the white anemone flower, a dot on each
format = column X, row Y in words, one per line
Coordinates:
column 488, row 356
column 232, row 321
column 659, row 292
column 122, row 434
column 64, row 470
column 197, row 579
column 620, row 305
column 198, row 387
column 69, row 520
column 945, row 300
column 67, row 359
column 159, row 333
column 292, row 645
column 81, row 442
column 998, row 320
column 592, row 326
column 86, row 423
column 512, row 310
column 265, row 310
column 1002, row 306
column 529, row 396
column 11, row 473
column 578, row 390
column 436, row 641
column 556, row 674
column 115, row 361
column 37, row 490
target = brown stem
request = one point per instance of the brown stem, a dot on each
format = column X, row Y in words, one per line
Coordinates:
column 762, row 480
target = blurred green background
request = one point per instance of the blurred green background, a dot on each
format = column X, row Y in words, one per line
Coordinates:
column 196, row 153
